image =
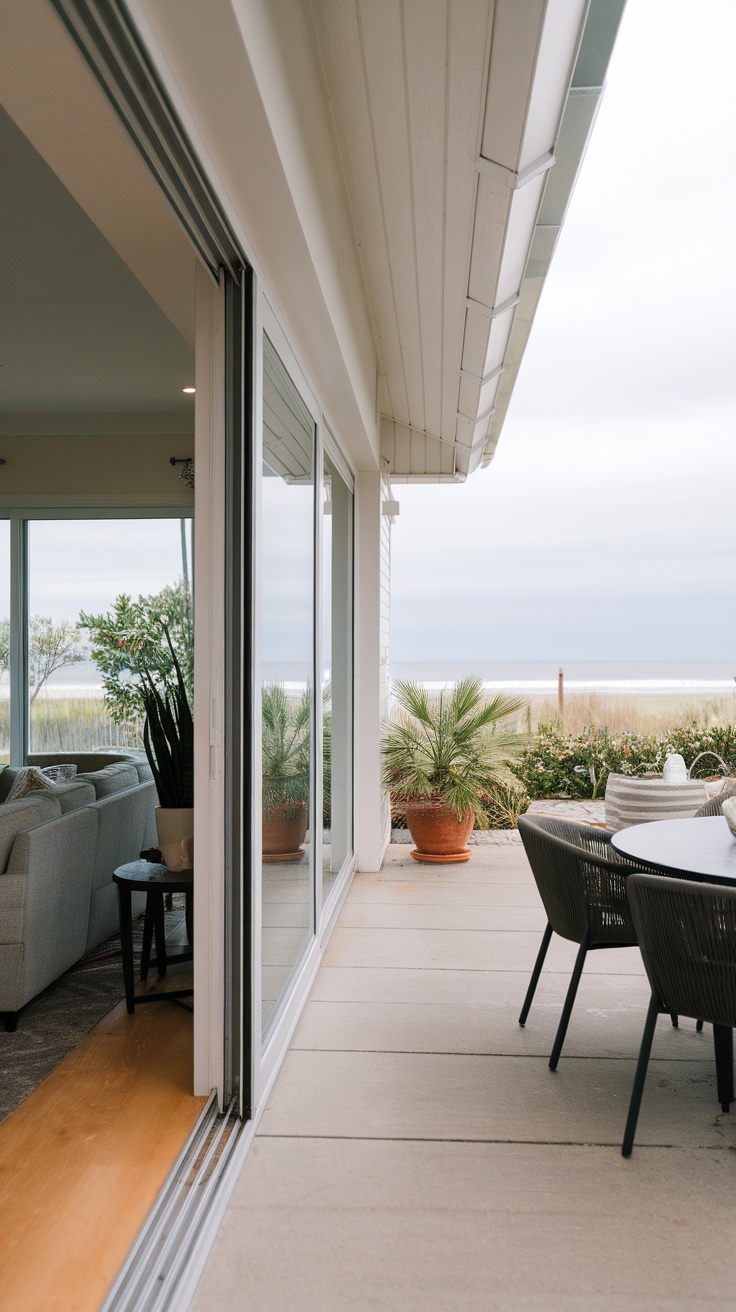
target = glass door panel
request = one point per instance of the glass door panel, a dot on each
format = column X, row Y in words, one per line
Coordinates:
column 337, row 737
column 287, row 670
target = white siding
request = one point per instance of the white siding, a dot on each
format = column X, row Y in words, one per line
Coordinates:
column 372, row 689
column 385, row 642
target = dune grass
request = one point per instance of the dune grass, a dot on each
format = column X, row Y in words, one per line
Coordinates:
column 639, row 714
column 77, row 725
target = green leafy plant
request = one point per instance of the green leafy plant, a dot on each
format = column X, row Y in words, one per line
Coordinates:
column 129, row 645
column 449, row 748
column 168, row 736
column 285, row 747
column 144, row 650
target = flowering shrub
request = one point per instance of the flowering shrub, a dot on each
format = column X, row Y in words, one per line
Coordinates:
column 579, row 765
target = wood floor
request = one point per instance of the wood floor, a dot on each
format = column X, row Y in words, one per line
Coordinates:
column 82, row 1159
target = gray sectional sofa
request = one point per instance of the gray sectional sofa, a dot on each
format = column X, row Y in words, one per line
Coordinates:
column 58, row 851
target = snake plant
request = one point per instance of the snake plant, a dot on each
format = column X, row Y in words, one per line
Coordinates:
column 168, row 736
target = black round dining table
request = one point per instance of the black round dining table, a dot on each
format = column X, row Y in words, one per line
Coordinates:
column 701, row 849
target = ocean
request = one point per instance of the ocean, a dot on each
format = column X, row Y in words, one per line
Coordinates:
column 607, row 678
column 526, row 678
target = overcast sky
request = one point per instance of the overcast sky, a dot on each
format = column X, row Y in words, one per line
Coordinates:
column 604, row 527
column 77, row 565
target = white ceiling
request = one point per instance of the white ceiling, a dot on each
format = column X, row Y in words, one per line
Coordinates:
column 447, row 116
column 97, row 276
column 78, row 331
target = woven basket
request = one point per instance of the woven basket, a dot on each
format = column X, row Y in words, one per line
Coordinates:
column 632, row 801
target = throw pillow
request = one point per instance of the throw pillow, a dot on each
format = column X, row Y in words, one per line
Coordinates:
column 29, row 780
column 60, row 774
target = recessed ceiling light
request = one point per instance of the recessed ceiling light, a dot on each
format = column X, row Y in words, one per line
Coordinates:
column 189, row 390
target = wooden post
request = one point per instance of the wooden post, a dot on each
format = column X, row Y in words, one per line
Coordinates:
column 561, row 691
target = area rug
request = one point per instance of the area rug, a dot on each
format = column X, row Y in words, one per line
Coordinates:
column 52, row 1025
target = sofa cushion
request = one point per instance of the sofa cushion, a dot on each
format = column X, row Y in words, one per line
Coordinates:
column 121, row 825
column 53, row 863
column 145, row 773
column 113, row 779
column 26, row 813
column 74, row 794
column 84, row 761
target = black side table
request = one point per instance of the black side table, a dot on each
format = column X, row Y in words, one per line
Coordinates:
column 155, row 881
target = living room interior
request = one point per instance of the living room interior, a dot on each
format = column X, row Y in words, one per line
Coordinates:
column 96, row 502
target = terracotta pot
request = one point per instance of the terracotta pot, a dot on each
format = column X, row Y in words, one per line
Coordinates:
column 439, row 836
column 284, row 831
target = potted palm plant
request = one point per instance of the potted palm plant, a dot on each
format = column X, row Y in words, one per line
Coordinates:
column 440, row 756
column 286, row 761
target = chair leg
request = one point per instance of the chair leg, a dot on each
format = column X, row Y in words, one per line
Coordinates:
column 723, row 1044
column 535, row 974
column 569, row 1000
column 675, row 1020
column 148, row 923
column 698, row 1026
column 159, row 930
column 640, row 1075
column 10, row 1021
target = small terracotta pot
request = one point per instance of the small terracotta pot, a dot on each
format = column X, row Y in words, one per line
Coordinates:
column 439, row 836
column 284, row 831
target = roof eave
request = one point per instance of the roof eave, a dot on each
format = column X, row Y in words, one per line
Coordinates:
column 581, row 106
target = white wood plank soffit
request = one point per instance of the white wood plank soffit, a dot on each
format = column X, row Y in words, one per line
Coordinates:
column 446, row 116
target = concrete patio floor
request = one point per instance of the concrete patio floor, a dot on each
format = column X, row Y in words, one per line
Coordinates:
column 418, row 1154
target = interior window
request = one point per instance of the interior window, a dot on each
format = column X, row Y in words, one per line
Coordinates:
column 78, row 570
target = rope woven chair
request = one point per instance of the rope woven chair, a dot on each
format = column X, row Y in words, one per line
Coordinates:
column 687, row 936
column 582, row 883
column 715, row 807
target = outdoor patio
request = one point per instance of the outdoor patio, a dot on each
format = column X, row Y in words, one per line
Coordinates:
column 417, row 1153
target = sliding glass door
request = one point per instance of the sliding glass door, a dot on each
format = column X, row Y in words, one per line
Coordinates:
column 337, row 671
column 287, row 682
column 305, row 620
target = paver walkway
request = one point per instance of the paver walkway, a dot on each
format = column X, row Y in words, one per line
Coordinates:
column 568, row 808
column 418, row 1155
